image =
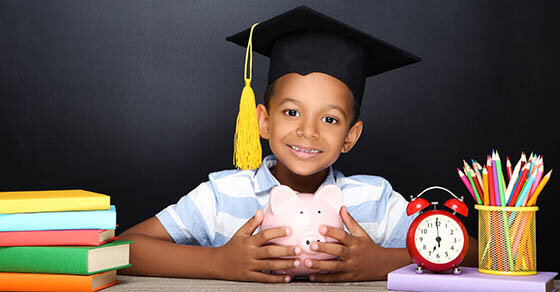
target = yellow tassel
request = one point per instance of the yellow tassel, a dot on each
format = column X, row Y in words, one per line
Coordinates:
column 247, row 153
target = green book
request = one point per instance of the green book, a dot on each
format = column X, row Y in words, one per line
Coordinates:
column 76, row 260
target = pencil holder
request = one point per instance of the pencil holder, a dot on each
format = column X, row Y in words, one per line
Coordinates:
column 507, row 240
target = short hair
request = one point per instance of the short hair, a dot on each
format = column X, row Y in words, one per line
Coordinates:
column 270, row 91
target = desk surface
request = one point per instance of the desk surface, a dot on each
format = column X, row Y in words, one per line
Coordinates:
column 133, row 283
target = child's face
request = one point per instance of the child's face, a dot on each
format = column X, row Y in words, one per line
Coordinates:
column 312, row 113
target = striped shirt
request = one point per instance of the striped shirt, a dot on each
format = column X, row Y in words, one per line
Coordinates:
column 210, row 214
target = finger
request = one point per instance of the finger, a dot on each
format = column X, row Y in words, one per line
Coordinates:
column 353, row 226
column 336, row 277
column 251, row 225
column 268, row 278
column 274, row 251
column 325, row 265
column 336, row 233
column 278, row 264
column 332, row 248
column 272, row 233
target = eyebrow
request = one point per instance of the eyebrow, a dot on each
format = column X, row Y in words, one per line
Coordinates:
column 329, row 106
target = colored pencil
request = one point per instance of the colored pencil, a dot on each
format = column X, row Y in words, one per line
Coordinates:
column 543, row 182
column 523, row 159
column 495, row 176
column 508, row 167
column 477, row 169
column 477, row 196
column 485, row 185
column 540, row 171
column 512, row 181
column 466, row 182
column 519, row 186
column 478, row 187
column 490, row 182
column 501, row 181
column 525, row 191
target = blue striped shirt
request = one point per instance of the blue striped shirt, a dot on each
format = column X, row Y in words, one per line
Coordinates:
column 210, row 214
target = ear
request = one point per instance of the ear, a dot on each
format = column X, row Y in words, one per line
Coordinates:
column 352, row 137
column 330, row 193
column 264, row 125
column 280, row 197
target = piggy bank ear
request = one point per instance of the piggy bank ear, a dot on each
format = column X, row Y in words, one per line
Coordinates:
column 280, row 197
column 330, row 193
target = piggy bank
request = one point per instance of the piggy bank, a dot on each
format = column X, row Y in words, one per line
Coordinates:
column 304, row 213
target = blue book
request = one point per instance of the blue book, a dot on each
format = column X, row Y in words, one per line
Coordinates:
column 97, row 219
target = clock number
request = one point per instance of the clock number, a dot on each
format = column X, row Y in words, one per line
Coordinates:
column 424, row 231
column 451, row 231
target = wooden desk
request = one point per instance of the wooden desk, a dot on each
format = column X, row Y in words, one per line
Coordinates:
column 133, row 283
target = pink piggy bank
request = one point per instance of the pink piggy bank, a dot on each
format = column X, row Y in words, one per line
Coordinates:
column 304, row 213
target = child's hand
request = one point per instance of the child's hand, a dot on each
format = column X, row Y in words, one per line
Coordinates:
column 245, row 256
column 358, row 254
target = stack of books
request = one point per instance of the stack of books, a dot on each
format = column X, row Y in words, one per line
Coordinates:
column 59, row 241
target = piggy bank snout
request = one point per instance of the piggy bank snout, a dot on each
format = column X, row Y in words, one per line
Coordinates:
column 307, row 238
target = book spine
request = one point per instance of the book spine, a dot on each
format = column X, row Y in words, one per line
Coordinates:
column 50, row 237
column 100, row 219
column 44, row 259
column 47, row 282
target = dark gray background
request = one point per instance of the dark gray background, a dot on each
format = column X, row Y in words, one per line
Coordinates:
column 138, row 99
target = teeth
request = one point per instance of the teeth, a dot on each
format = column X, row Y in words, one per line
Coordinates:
column 303, row 150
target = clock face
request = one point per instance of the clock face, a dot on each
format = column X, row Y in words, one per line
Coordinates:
column 439, row 239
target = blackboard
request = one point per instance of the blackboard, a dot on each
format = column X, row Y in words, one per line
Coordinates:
column 134, row 99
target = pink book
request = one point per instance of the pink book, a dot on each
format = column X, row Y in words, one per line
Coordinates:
column 57, row 237
column 470, row 279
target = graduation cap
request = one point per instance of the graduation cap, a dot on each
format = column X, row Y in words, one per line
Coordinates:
column 303, row 40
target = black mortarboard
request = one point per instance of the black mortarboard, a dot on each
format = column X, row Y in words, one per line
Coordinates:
column 303, row 40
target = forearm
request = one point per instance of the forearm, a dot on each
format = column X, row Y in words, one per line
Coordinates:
column 150, row 256
column 389, row 259
column 471, row 258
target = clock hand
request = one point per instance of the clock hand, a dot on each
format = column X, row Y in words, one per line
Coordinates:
column 438, row 239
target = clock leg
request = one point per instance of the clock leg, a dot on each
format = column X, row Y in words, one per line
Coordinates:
column 419, row 270
column 457, row 271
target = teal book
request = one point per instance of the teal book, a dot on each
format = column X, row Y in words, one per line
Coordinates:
column 75, row 260
column 67, row 220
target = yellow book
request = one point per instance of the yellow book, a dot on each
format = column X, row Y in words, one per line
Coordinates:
column 52, row 201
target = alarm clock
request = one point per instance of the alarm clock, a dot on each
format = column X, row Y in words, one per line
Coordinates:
column 436, row 239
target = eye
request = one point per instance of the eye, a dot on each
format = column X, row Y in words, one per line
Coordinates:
column 318, row 211
column 301, row 212
column 292, row 113
column 330, row 120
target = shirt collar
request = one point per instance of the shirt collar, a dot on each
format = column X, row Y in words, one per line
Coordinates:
column 264, row 181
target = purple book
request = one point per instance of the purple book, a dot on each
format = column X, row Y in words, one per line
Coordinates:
column 470, row 279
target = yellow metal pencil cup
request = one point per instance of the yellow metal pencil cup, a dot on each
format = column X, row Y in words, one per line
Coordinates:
column 507, row 240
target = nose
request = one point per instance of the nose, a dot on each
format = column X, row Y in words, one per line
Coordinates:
column 307, row 129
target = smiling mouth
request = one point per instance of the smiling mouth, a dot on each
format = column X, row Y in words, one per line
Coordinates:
column 304, row 150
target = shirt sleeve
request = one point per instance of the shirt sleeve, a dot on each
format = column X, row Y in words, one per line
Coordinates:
column 398, row 221
column 192, row 219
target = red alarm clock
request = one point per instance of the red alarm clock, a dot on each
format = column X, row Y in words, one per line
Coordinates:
column 436, row 239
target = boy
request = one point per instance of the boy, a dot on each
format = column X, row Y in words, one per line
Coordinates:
column 310, row 115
